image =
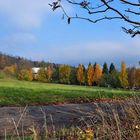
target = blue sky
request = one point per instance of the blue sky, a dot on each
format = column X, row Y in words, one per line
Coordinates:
column 30, row 29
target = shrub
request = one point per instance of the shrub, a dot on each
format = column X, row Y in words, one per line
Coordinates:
column 11, row 70
column 42, row 75
column 2, row 74
column 25, row 74
column 64, row 74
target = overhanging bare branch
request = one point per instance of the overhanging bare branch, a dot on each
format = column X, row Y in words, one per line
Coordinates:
column 105, row 6
column 130, row 3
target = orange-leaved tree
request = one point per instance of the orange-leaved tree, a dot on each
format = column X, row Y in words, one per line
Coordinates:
column 80, row 74
column 42, row 75
column 64, row 74
column 11, row 70
column 131, row 76
column 25, row 74
column 123, row 76
column 98, row 73
column 137, row 77
column 90, row 74
column 49, row 73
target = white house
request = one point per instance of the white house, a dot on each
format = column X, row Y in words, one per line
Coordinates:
column 35, row 71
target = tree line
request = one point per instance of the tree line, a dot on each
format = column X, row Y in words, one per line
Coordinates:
column 93, row 75
column 22, row 63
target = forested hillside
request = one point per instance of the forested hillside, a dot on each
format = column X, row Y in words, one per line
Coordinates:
column 93, row 75
column 8, row 60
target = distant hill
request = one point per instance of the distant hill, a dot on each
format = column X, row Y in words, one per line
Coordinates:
column 7, row 60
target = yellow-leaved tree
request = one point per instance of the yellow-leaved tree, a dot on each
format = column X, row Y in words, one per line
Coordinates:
column 80, row 74
column 123, row 77
column 11, row 70
column 137, row 77
column 49, row 73
column 97, row 73
column 90, row 74
column 64, row 74
column 25, row 74
column 42, row 75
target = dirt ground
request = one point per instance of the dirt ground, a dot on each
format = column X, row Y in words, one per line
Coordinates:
column 15, row 120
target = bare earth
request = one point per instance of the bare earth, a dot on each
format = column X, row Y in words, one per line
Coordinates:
column 23, row 118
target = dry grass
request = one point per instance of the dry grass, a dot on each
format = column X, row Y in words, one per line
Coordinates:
column 120, row 121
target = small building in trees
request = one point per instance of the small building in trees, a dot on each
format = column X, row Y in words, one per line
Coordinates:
column 35, row 71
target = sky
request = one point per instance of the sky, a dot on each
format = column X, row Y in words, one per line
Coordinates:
column 30, row 29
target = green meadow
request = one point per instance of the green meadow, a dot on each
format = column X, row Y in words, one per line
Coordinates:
column 19, row 93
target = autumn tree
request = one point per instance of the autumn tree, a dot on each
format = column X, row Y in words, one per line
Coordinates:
column 25, row 74
column 96, row 11
column 2, row 61
column 90, row 74
column 55, row 76
column 23, row 64
column 11, row 70
column 80, row 74
column 2, row 74
column 123, row 77
column 64, row 74
column 49, row 73
column 98, row 73
column 132, row 77
column 30, row 74
column 42, row 75
column 137, row 77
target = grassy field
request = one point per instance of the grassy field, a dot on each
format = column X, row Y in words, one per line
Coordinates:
column 14, row 92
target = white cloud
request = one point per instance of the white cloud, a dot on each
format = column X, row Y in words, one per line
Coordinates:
column 17, row 40
column 100, row 52
column 19, row 44
column 25, row 13
column 28, row 13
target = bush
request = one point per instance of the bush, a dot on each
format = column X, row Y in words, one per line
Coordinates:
column 25, row 74
column 2, row 74
column 64, row 74
column 110, row 80
column 42, row 75
column 11, row 70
